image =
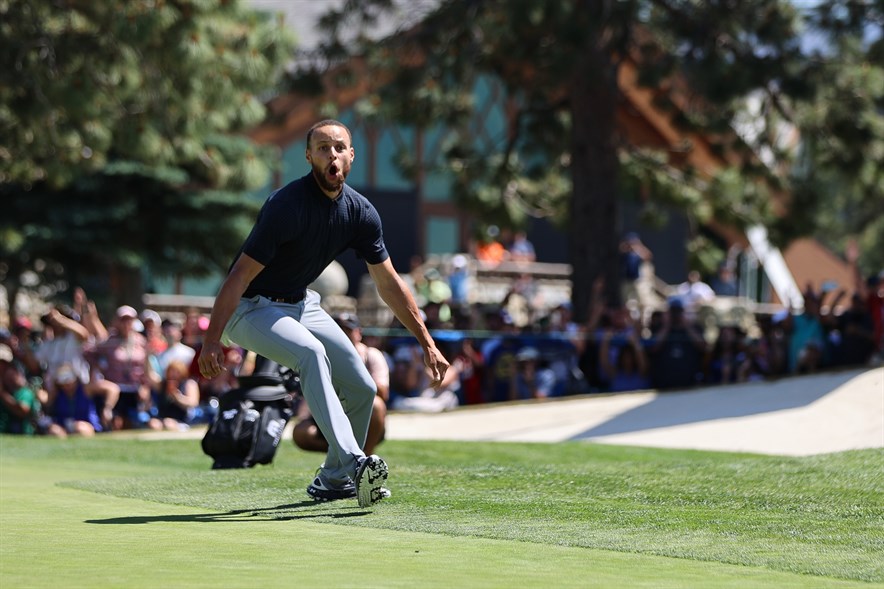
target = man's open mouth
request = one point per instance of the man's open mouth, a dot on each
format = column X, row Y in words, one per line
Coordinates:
column 333, row 171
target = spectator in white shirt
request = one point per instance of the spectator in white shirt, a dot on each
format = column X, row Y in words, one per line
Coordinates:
column 694, row 293
column 176, row 350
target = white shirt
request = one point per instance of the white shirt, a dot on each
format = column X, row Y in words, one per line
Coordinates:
column 66, row 348
column 695, row 294
column 179, row 351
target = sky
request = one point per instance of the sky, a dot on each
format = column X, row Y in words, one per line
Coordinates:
column 301, row 16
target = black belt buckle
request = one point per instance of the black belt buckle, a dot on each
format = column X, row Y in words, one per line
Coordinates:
column 286, row 300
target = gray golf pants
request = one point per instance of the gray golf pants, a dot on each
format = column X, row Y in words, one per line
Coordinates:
column 334, row 381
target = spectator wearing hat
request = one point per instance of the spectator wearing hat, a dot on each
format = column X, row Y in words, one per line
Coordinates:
column 152, row 323
column 71, row 406
column 124, row 360
column 528, row 380
column 23, row 347
column 16, row 405
column 459, row 281
column 638, row 269
column 20, row 402
column 306, row 434
column 66, row 345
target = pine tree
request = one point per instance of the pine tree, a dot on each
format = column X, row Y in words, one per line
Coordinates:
column 838, row 173
column 122, row 125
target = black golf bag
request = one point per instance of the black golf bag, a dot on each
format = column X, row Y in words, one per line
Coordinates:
column 248, row 426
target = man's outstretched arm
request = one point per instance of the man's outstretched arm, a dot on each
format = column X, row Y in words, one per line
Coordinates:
column 395, row 293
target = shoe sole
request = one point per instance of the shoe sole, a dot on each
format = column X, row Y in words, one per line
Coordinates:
column 370, row 479
column 384, row 493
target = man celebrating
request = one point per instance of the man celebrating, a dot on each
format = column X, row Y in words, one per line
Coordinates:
column 264, row 306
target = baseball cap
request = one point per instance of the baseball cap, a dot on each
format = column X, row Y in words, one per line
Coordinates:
column 127, row 311
column 23, row 323
column 5, row 353
column 348, row 320
column 151, row 315
column 528, row 353
column 676, row 303
column 403, row 354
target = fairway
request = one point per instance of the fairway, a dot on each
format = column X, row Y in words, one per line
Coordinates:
column 132, row 513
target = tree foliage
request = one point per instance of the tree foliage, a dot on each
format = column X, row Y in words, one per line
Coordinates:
column 122, row 131
column 838, row 173
column 707, row 62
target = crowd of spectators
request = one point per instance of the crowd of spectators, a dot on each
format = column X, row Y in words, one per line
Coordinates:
column 72, row 375
column 616, row 350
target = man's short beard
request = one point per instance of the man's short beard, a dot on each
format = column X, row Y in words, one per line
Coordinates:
column 324, row 182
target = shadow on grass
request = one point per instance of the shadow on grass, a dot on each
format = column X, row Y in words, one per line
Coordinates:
column 276, row 513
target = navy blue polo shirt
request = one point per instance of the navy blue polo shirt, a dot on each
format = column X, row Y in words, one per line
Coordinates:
column 300, row 231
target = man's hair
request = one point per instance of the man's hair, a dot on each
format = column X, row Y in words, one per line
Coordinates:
column 327, row 123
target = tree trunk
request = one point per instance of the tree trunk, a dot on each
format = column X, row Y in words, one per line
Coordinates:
column 127, row 286
column 594, row 223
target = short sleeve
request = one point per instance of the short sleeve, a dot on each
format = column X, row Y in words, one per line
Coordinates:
column 271, row 228
column 369, row 243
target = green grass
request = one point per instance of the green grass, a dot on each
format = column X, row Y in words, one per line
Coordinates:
column 489, row 514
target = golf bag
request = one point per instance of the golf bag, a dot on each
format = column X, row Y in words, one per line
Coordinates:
column 248, row 426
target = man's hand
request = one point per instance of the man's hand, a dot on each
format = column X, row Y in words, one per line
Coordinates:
column 211, row 360
column 436, row 365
